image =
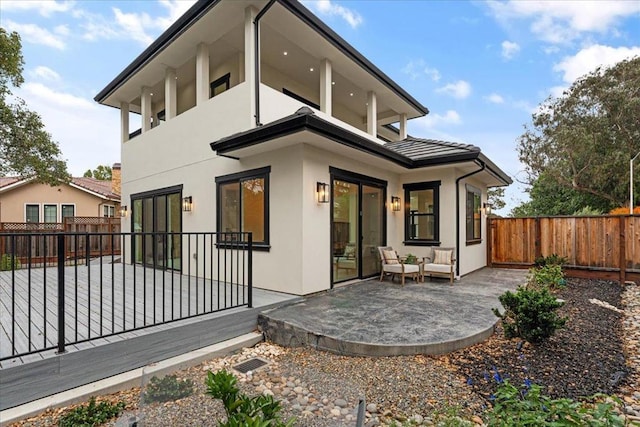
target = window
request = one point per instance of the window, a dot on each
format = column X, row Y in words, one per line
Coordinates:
column 68, row 211
column 243, row 204
column 50, row 213
column 32, row 213
column 422, row 216
column 300, row 98
column 219, row 85
column 474, row 223
column 108, row 211
column 157, row 218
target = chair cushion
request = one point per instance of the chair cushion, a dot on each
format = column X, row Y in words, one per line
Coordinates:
column 350, row 251
column 438, row 268
column 397, row 268
column 390, row 257
column 442, row 257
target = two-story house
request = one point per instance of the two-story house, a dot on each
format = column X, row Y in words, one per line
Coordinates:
column 256, row 116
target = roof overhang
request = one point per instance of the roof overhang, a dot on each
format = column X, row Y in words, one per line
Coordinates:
column 304, row 126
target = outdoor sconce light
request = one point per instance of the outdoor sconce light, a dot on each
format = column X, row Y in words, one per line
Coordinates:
column 322, row 190
column 395, row 203
column 123, row 211
column 187, row 204
column 487, row 208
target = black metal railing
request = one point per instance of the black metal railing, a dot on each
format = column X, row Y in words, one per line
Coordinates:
column 94, row 285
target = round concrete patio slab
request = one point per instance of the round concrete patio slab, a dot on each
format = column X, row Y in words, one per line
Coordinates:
column 372, row 318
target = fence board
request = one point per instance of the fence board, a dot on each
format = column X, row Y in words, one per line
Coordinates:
column 600, row 243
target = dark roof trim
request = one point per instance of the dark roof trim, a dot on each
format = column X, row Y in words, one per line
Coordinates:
column 305, row 120
column 203, row 6
column 341, row 44
column 174, row 31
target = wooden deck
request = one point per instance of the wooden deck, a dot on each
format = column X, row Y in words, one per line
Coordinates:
column 109, row 300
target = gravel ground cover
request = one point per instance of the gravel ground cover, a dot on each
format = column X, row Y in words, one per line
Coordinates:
column 323, row 389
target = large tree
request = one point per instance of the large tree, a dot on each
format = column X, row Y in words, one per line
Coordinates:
column 102, row 172
column 582, row 141
column 26, row 149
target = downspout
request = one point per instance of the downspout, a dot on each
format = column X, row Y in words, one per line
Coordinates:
column 256, row 22
column 483, row 166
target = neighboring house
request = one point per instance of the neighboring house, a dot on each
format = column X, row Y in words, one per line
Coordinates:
column 24, row 200
column 263, row 119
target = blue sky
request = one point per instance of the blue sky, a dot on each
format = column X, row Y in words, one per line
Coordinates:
column 481, row 67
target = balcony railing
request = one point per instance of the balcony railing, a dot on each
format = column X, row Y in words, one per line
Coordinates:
column 75, row 294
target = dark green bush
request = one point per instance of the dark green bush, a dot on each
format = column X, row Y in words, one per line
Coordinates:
column 259, row 411
column 91, row 414
column 530, row 314
column 529, row 407
column 5, row 263
column 167, row 389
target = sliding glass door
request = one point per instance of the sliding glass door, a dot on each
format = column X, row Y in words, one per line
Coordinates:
column 357, row 225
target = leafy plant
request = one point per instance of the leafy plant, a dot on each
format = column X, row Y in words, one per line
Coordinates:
column 5, row 263
column 529, row 407
column 411, row 259
column 167, row 388
column 92, row 414
column 530, row 314
column 242, row 410
column 553, row 259
column 548, row 275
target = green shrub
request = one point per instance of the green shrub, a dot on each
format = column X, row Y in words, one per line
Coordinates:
column 549, row 275
column 529, row 407
column 259, row 411
column 553, row 259
column 5, row 263
column 91, row 414
column 167, row 389
column 530, row 314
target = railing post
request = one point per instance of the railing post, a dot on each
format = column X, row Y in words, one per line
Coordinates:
column 250, row 272
column 61, row 322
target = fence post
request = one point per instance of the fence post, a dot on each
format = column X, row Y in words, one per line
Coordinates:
column 538, row 239
column 61, row 302
column 623, row 247
column 250, row 272
column 489, row 243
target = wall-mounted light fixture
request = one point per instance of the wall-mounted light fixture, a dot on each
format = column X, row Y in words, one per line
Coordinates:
column 487, row 208
column 123, row 211
column 322, row 192
column 187, row 204
column 395, row 203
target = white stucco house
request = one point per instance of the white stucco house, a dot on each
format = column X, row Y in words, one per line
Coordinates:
column 263, row 119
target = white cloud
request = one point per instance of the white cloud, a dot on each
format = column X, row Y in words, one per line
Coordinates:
column 88, row 134
column 460, row 89
column 562, row 21
column 431, row 120
column 417, row 68
column 45, row 73
column 526, row 106
column 140, row 27
column 43, row 7
column 330, row 8
column 36, row 35
column 557, row 91
column 494, row 98
column 590, row 58
column 509, row 49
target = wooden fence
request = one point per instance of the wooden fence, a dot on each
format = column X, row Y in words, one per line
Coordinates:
column 36, row 241
column 600, row 246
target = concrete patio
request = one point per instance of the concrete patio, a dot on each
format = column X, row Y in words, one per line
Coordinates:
column 373, row 318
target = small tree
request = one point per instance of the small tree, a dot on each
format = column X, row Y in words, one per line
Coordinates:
column 102, row 173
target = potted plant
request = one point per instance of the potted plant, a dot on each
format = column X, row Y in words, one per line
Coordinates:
column 411, row 259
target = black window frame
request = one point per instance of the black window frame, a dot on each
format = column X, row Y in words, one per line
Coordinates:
column 224, row 80
column 420, row 186
column 62, row 208
column 238, row 177
column 469, row 211
column 300, row 98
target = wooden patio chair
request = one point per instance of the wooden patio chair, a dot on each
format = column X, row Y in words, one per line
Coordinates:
column 441, row 262
column 392, row 264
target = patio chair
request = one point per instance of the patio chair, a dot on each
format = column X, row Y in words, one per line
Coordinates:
column 441, row 262
column 392, row 264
